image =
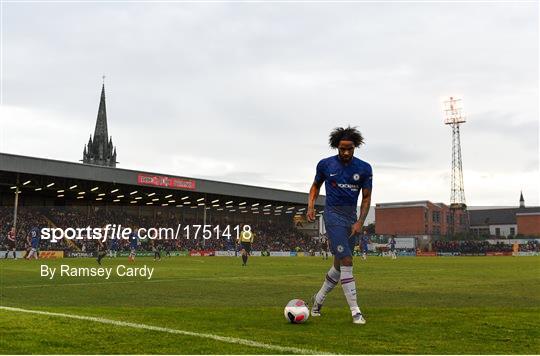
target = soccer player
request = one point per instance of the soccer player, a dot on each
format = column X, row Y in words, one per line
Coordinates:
column 133, row 242
column 324, row 247
column 167, row 249
column 113, row 249
column 35, row 236
column 156, row 249
column 27, row 246
column 364, row 242
column 11, row 243
column 101, row 250
column 344, row 176
column 246, row 239
column 392, row 245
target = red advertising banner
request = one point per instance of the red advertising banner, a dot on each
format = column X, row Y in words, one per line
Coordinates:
column 164, row 181
column 504, row 253
column 51, row 254
column 426, row 253
column 202, row 253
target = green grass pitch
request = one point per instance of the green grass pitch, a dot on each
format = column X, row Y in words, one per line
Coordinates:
column 454, row 305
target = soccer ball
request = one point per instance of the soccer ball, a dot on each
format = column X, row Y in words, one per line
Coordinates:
column 296, row 311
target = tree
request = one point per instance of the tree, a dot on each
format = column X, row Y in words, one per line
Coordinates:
column 370, row 229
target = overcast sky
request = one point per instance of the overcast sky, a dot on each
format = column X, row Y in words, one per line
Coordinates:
column 248, row 93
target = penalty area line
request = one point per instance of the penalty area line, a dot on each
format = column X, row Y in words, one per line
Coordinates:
column 226, row 339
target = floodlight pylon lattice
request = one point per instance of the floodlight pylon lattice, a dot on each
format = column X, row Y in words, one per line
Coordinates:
column 458, row 208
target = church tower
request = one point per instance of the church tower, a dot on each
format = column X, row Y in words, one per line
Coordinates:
column 100, row 150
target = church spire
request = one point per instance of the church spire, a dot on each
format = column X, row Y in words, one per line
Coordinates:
column 521, row 200
column 101, row 122
column 100, row 149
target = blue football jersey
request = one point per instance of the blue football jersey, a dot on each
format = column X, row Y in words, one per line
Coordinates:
column 113, row 243
column 35, row 234
column 365, row 240
column 343, row 183
column 133, row 240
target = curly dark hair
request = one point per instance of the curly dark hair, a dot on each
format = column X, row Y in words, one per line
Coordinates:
column 347, row 134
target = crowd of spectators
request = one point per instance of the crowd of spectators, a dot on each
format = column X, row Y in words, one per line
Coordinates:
column 478, row 247
column 275, row 237
column 26, row 219
column 530, row 246
column 268, row 236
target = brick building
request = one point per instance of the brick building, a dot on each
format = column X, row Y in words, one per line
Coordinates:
column 528, row 223
column 414, row 218
column 434, row 219
column 506, row 222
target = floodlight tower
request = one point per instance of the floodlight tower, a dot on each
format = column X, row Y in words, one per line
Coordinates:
column 458, row 207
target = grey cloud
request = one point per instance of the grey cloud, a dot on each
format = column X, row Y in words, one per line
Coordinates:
column 261, row 85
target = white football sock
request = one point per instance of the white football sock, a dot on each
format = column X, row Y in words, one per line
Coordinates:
column 331, row 280
column 349, row 288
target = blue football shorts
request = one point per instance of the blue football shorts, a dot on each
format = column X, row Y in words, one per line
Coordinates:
column 341, row 245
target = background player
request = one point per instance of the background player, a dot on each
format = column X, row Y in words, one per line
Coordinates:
column 133, row 242
column 324, row 247
column 28, row 244
column 344, row 176
column 392, row 245
column 156, row 249
column 11, row 243
column 167, row 248
column 101, row 250
column 113, row 248
column 34, row 236
column 246, row 239
column 364, row 242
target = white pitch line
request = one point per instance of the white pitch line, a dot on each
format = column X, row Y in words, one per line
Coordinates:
column 137, row 281
column 227, row 339
column 90, row 283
